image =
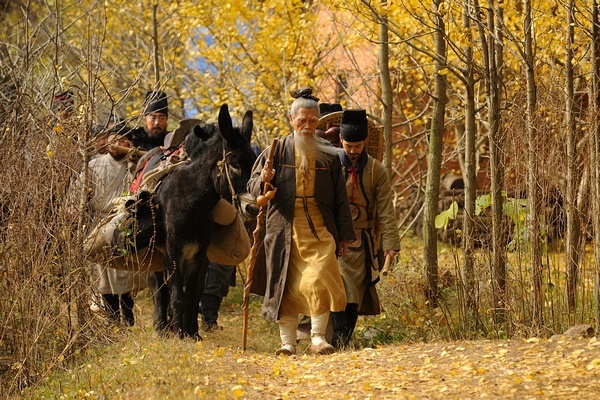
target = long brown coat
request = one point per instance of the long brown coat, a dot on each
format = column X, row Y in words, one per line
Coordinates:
column 360, row 268
column 330, row 194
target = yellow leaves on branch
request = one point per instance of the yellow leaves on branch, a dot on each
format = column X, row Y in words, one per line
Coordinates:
column 443, row 71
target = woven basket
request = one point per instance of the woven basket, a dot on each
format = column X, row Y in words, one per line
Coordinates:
column 374, row 141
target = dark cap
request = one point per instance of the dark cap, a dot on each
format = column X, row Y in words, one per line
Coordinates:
column 328, row 108
column 156, row 101
column 354, row 126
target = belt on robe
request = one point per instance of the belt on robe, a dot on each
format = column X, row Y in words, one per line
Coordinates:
column 308, row 218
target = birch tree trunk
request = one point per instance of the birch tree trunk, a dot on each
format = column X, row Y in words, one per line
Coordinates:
column 470, row 178
column 492, row 48
column 533, row 193
column 572, row 228
column 434, row 161
column 155, row 45
column 595, row 149
column 387, row 94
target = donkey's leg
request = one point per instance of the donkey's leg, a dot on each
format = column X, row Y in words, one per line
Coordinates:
column 176, row 299
column 160, row 297
column 195, row 276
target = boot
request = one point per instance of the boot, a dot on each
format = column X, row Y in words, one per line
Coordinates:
column 318, row 343
column 351, row 318
column 340, row 329
column 111, row 304
column 287, row 332
column 127, row 309
column 209, row 307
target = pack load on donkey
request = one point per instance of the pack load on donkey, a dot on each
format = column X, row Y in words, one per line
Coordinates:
column 180, row 217
column 120, row 241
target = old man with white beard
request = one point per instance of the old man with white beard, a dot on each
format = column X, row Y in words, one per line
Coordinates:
column 308, row 225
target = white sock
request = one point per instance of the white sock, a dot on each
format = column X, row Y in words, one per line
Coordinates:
column 287, row 329
column 318, row 327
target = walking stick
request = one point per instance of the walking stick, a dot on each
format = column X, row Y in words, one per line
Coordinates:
column 387, row 265
column 262, row 201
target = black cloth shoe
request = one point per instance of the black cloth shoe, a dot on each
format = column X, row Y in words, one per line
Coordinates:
column 351, row 317
column 111, row 305
column 212, row 327
column 340, row 340
column 209, row 308
column 340, row 329
column 127, row 309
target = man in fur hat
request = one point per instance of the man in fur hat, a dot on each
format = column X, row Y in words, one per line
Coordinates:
column 156, row 116
column 370, row 196
column 307, row 225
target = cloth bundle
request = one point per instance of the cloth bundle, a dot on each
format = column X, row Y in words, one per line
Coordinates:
column 124, row 240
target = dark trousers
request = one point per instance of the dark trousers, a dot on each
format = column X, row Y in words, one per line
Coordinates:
column 117, row 304
column 344, row 323
column 218, row 280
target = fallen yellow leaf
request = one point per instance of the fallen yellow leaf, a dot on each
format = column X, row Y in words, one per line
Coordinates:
column 237, row 391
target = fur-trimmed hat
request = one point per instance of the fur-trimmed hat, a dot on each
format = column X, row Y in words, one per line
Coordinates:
column 156, row 101
column 354, row 126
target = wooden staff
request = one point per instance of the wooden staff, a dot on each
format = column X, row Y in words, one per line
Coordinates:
column 387, row 265
column 133, row 153
column 260, row 221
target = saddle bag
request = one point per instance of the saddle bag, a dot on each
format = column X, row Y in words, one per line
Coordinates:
column 119, row 243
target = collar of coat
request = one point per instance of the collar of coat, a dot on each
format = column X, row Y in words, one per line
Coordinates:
column 360, row 164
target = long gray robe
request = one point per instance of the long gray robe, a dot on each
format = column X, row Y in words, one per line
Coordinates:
column 332, row 198
column 109, row 180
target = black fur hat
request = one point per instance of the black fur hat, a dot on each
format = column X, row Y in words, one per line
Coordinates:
column 354, row 126
column 156, row 101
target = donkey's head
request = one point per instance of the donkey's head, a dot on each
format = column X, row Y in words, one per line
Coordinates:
column 238, row 160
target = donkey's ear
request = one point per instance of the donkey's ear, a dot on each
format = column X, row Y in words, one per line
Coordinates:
column 225, row 123
column 201, row 133
column 247, row 124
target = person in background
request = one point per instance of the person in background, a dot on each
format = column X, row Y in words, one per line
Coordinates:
column 308, row 224
column 99, row 141
column 331, row 134
column 100, row 133
column 63, row 104
column 156, row 116
column 218, row 280
column 63, row 123
column 109, row 178
column 374, row 219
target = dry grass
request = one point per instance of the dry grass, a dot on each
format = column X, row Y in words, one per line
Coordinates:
column 142, row 366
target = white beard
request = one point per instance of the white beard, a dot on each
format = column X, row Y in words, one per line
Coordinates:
column 312, row 147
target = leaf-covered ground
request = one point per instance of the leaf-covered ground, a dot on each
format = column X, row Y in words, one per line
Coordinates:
column 142, row 366
column 513, row 369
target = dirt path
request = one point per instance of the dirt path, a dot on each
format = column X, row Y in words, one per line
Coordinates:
column 143, row 366
column 562, row 368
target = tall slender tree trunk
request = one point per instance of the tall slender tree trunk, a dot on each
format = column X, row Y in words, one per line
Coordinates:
column 156, row 53
column 595, row 149
column 470, row 178
column 533, row 193
column 434, row 161
column 572, row 228
column 492, row 49
column 386, row 93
